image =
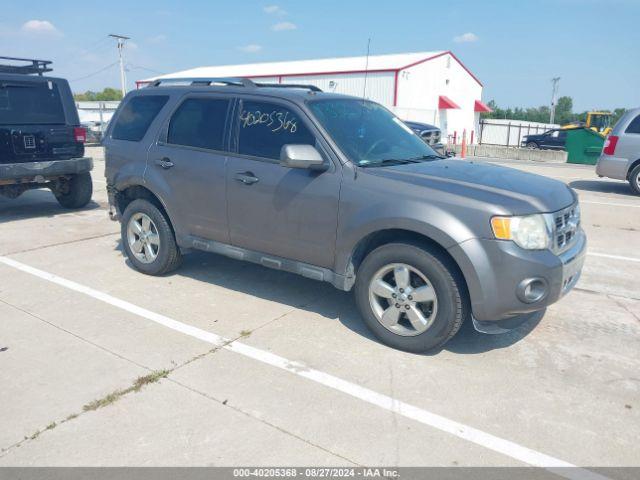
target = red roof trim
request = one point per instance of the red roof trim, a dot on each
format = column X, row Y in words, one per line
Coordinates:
column 467, row 70
column 347, row 72
column 445, row 103
column 478, row 106
column 423, row 60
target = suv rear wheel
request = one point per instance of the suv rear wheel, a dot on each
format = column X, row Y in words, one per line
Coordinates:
column 634, row 180
column 410, row 297
column 75, row 192
column 148, row 239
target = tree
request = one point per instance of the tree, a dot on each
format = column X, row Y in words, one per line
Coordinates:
column 564, row 110
column 106, row 95
column 564, row 113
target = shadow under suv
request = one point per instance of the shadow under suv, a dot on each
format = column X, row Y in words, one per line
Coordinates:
column 338, row 189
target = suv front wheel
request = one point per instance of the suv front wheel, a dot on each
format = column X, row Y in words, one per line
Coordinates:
column 148, row 239
column 410, row 297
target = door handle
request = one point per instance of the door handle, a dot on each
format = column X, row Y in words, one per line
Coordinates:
column 165, row 163
column 247, row 178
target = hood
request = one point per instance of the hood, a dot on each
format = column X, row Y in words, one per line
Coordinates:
column 512, row 191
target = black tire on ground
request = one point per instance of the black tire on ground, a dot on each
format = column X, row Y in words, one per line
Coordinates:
column 453, row 302
column 634, row 180
column 533, row 145
column 79, row 191
column 169, row 256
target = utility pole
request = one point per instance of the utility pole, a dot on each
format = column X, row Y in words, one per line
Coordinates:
column 123, row 79
column 554, row 97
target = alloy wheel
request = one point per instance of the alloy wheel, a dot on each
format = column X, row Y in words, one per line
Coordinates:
column 403, row 299
column 143, row 238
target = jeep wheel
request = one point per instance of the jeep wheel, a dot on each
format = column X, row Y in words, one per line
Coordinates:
column 75, row 192
column 532, row 145
column 148, row 239
column 634, row 180
column 411, row 298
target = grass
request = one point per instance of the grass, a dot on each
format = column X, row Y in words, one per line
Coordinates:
column 136, row 387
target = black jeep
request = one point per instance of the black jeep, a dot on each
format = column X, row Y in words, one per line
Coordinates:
column 41, row 140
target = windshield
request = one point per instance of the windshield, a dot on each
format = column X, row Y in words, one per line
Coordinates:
column 368, row 133
column 30, row 103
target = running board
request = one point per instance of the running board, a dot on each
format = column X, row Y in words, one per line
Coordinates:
column 313, row 272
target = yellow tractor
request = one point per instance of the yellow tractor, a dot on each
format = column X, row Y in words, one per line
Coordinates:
column 599, row 122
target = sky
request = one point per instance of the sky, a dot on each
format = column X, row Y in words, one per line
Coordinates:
column 515, row 47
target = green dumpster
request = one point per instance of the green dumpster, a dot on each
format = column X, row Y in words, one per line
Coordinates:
column 583, row 146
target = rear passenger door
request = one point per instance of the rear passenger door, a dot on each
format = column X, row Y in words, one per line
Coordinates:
column 285, row 212
column 188, row 165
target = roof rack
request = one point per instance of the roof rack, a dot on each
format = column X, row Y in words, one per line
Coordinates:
column 33, row 66
column 231, row 82
column 313, row 88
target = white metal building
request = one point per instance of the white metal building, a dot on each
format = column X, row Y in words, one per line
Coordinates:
column 430, row 87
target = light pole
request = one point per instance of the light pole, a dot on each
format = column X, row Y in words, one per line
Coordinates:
column 554, row 94
column 123, row 79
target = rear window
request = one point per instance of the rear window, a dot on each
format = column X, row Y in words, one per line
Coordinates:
column 199, row 122
column 634, row 126
column 136, row 116
column 30, row 103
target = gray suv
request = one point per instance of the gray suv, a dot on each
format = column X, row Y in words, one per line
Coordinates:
column 338, row 189
column 620, row 157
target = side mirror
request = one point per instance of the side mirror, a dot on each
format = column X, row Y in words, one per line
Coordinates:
column 301, row 156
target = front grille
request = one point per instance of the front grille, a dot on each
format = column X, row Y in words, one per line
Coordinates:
column 567, row 223
column 431, row 137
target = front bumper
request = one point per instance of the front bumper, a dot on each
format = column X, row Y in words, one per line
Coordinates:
column 495, row 271
column 28, row 171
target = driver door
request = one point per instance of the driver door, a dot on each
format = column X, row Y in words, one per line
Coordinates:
column 285, row 212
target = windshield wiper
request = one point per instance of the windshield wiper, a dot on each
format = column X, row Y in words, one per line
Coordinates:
column 389, row 161
column 431, row 156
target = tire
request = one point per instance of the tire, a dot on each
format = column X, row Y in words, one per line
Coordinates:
column 78, row 192
column 533, row 146
column 164, row 256
column 634, row 180
column 447, row 312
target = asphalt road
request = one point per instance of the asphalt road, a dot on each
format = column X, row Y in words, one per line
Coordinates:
column 242, row 365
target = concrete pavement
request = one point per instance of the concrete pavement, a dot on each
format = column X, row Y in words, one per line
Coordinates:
column 566, row 386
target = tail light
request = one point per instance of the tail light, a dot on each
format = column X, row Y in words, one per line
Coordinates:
column 610, row 145
column 80, row 134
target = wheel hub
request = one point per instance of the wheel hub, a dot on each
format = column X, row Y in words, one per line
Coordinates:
column 403, row 299
column 143, row 238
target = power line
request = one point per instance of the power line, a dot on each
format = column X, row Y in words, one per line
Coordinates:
column 94, row 73
column 139, row 67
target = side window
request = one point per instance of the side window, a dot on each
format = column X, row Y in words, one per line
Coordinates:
column 554, row 133
column 562, row 134
column 634, row 126
column 136, row 116
column 266, row 127
column 199, row 122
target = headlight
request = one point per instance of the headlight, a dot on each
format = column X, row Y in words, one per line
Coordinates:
column 531, row 232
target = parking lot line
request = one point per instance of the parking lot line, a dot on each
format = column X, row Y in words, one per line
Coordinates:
column 610, row 204
column 460, row 430
column 614, row 257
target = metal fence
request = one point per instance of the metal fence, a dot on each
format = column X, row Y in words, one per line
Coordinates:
column 96, row 116
column 509, row 133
